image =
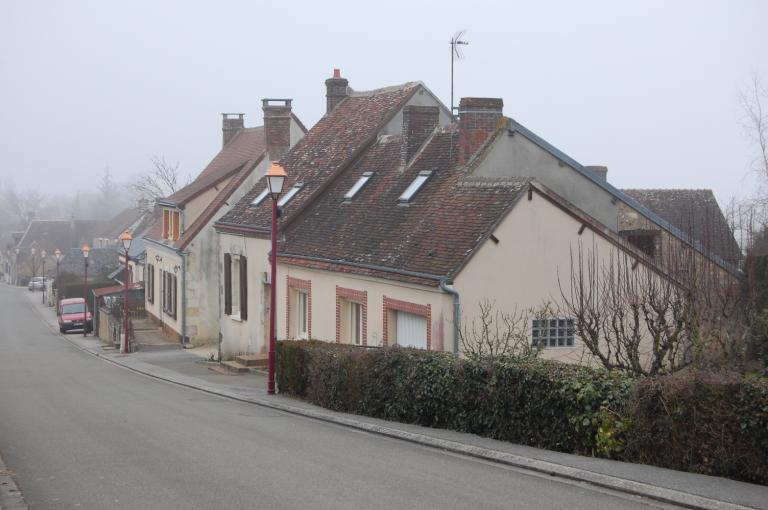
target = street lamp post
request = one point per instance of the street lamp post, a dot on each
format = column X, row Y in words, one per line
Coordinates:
column 126, row 239
column 86, row 251
column 275, row 179
column 57, row 256
column 32, row 264
column 45, row 284
column 16, row 268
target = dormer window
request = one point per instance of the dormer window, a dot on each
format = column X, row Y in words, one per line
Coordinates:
column 417, row 183
column 171, row 224
column 358, row 185
column 260, row 198
column 291, row 192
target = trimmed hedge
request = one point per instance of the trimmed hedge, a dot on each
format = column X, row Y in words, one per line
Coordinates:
column 532, row 402
column 709, row 424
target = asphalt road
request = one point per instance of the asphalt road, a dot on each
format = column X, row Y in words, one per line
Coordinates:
column 82, row 433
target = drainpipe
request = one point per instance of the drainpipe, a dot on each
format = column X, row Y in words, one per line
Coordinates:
column 456, row 313
column 184, row 340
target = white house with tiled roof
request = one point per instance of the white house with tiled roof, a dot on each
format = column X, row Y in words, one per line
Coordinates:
column 401, row 222
column 181, row 271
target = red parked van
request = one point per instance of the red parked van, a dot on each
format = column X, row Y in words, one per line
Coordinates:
column 73, row 315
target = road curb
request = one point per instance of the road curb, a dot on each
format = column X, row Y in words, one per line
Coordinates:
column 11, row 497
column 626, row 486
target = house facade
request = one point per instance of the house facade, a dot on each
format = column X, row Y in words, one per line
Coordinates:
column 181, row 281
column 413, row 222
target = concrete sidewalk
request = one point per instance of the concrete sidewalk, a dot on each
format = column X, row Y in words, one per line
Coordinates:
column 191, row 370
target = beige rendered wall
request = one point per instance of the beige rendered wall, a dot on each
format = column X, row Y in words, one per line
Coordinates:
column 197, row 205
column 251, row 335
column 521, row 271
column 169, row 260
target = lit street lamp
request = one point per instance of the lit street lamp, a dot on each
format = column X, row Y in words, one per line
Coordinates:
column 275, row 179
column 86, row 251
column 42, row 256
column 126, row 239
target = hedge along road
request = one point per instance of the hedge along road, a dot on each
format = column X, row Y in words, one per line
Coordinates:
column 80, row 433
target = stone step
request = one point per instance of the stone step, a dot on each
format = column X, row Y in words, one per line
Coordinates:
column 253, row 360
column 154, row 347
column 235, row 367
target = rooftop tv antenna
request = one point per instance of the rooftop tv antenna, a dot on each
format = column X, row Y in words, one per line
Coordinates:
column 456, row 53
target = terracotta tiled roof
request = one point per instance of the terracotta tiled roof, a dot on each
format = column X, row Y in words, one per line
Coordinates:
column 333, row 142
column 237, row 159
column 696, row 213
column 433, row 235
column 247, row 145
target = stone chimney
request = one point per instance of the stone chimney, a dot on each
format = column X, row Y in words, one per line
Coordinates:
column 277, row 126
column 336, row 90
column 231, row 123
column 418, row 124
column 601, row 172
column 478, row 118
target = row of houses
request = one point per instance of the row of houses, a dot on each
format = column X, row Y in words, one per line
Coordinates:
column 397, row 220
column 31, row 252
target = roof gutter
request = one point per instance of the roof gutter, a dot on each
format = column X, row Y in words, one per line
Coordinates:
column 456, row 313
column 373, row 267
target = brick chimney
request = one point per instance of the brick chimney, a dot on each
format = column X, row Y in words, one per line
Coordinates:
column 478, row 118
column 601, row 172
column 418, row 124
column 231, row 123
column 277, row 126
column 336, row 90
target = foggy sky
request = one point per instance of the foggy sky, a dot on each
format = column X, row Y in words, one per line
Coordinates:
column 648, row 88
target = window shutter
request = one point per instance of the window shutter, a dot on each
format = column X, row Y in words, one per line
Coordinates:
column 243, row 288
column 175, row 226
column 166, row 223
column 227, row 284
column 162, row 290
column 175, row 294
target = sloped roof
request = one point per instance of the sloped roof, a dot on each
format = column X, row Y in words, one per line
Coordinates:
column 430, row 237
column 246, row 146
column 236, row 159
column 122, row 221
column 62, row 234
column 334, row 141
column 514, row 126
column 696, row 213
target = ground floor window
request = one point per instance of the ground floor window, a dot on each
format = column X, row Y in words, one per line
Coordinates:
column 553, row 332
column 407, row 324
column 170, row 293
column 351, row 316
column 299, row 308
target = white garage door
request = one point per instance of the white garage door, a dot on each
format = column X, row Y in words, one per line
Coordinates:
column 411, row 330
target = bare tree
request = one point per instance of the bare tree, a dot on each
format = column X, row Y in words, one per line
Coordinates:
column 754, row 105
column 493, row 333
column 161, row 181
column 634, row 317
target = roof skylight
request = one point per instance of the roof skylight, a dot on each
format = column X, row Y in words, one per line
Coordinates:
column 417, row 183
column 260, row 198
column 358, row 185
column 291, row 192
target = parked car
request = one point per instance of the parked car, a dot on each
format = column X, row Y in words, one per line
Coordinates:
column 73, row 315
column 36, row 283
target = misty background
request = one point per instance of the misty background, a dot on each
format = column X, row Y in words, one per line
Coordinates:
column 90, row 92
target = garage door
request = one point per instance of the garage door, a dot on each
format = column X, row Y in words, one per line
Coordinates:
column 411, row 330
